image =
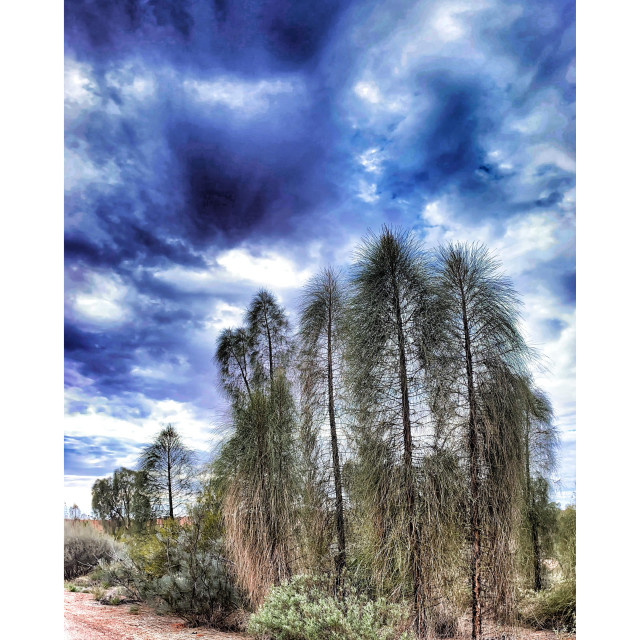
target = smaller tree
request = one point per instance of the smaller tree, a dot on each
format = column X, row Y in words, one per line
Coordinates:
column 169, row 467
column 122, row 499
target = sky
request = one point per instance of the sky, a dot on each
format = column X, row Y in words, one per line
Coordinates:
column 212, row 148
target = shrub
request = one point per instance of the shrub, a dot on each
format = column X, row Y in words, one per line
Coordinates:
column 84, row 547
column 553, row 608
column 179, row 569
column 301, row 610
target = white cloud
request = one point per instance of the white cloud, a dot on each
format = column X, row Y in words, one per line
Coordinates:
column 101, row 299
column 449, row 19
column 368, row 91
column 79, row 170
column 367, row 191
column 238, row 267
column 225, row 315
column 80, row 90
column 133, row 81
column 269, row 269
column 245, row 97
column 552, row 154
column 371, row 161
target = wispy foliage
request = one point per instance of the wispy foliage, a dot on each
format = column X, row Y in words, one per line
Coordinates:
column 322, row 340
column 390, row 314
column 256, row 470
column 482, row 354
column 169, row 468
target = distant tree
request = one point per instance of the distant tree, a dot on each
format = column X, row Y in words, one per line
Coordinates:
column 122, row 498
column 322, row 342
column 169, row 467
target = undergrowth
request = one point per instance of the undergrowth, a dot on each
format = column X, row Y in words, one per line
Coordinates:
column 301, row 610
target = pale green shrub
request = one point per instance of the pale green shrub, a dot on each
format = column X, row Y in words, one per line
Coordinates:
column 301, row 610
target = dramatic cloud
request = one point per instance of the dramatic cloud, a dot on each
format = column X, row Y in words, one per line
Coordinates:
column 214, row 147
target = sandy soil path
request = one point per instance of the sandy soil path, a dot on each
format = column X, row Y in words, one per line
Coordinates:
column 86, row 619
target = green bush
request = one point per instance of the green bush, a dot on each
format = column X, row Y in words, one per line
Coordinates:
column 84, row 548
column 553, row 608
column 302, row 610
column 180, row 569
column 566, row 542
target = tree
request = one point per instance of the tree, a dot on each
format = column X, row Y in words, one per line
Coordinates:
column 169, row 467
column 389, row 316
column 256, row 468
column 233, row 358
column 268, row 336
column 122, row 498
column 482, row 349
column 322, row 343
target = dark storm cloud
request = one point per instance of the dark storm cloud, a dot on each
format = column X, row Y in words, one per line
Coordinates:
column 249, row 37
column 198, row 127
column 193, row 174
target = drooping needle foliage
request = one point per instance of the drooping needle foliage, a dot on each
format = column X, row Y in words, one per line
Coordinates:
column 411, row 458
column 321, row 341
column 256, row 469
column 389, row 314
column 482, row 354
column 169, row 468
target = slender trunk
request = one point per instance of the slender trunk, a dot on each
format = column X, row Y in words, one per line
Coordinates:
column 414, row 538
column 169, row 486
column 474, row 450
column 266, row 324
column 271, row 525
column 243, row 371
column 342, row 555
column 533, row 522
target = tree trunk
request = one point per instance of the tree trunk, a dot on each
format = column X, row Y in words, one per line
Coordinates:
column 339, row 516
column 266, row 324
column 414, row 538
column 533, row 519
column 474, row 450
column 169, row 486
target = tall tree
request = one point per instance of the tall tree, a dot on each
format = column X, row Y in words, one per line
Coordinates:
column 321, row 342
column 169, row 466
column 255, row 469
column 389, row 309
column 479, row 314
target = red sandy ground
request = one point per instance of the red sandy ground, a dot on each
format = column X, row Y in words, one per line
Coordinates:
column 86, row 619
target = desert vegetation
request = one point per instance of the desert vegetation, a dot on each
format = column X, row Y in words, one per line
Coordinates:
column 386, row 474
